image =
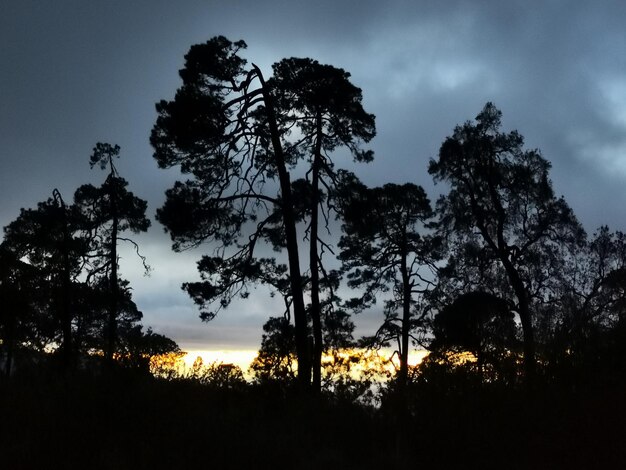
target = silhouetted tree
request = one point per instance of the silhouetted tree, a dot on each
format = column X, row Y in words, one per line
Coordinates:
column 225, row 133
column 109, row 211
column 19, row 322
column 137, row 347
column 47, row 239
column 92, row 307
column 216, row 375
column 382, row 249
column 348, row 373
column 320, row 102
column 233, row 132
column 501, row 202
column 588, row 310
column 479, row 323
column 276, row 358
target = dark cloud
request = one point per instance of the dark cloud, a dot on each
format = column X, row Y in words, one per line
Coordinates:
column 75, row 73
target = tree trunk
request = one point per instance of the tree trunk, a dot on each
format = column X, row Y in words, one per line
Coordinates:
column 65, row 314
column 401, row 411
column 316, row 313
column 66, row 317
column 526, row 320
column 406, row 322
column 291, row 239
column 113, row 286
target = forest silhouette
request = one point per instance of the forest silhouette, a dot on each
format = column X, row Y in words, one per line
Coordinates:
column 523, row 313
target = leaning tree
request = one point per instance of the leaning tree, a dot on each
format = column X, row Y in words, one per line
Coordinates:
column 221, row 129
column 238, row 136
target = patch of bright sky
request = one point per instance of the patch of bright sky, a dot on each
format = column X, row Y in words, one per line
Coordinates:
column 241, row 357
column 244, row 357
column 614, row 91
column 611, row 155
column 440, row 76
column 425, row 55
column 611, row 151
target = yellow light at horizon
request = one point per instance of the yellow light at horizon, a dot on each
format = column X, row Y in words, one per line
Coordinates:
column 239, row 357
column 243, row 357
column 416, row 357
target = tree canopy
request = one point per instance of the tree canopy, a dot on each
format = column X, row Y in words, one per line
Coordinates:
column 239, row 136
column 502, row 206
column 386, row 247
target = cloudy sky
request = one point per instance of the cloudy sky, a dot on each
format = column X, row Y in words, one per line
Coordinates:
column 74, row 73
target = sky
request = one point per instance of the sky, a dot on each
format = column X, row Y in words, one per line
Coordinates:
column 74, row 73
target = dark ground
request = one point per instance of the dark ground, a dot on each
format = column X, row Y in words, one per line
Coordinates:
column 142, row 423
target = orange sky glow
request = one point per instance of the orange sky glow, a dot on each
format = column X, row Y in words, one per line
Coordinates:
column 244, row 357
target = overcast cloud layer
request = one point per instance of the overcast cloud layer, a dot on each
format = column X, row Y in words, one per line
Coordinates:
column 74, row 73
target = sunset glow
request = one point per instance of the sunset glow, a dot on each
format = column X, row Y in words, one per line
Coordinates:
column 380, row 361
column 239, row 357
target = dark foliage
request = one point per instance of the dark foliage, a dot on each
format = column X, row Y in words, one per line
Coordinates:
column 524, row 316
column 143, row 423
column 387, row 248
column 502, row 208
